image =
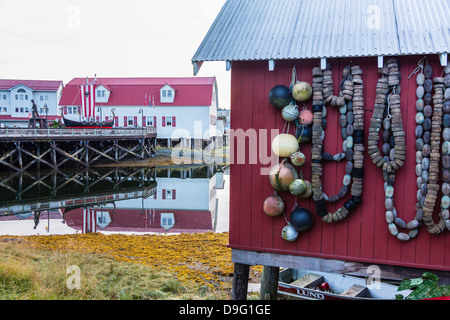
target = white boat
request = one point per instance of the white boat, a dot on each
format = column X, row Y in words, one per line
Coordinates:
column 315, row 285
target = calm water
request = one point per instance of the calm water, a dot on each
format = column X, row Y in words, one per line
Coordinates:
column 114, row 200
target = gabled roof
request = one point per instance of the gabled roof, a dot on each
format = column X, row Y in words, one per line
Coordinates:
column 306, row 29
column 37, row 85
column 191, row 91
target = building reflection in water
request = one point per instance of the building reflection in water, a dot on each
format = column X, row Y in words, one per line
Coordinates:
column 115, row 200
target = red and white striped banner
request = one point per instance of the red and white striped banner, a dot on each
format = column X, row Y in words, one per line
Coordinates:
column 88, row 101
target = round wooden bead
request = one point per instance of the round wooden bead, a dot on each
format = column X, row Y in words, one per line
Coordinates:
column 393, row 229
column 446, row 189
column 427, row 111
column 446, row 148
column 403, row 236
column 445, row 202
column 420, row 91
column 386, row 124
column 419, row 144
column 446, row 175
column 426, row 150
column 420, row 105
column 386, row 148
column 400, row 223
column 426, row 163
column 446, row 107
column 419, row 156
column 347, row 180
column 428, row 85
column 427, row 98
column 389, row 204
column 446, row 120
column 389, row 192
column 446, row 134
column 349, row 167
column 426, row 124
column 419, row 131
column 413, row 224
column 419, row 117
column 447, row 94
column 389, row 217
column 420, row 79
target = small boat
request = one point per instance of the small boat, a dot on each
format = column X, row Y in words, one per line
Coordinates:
column 315, row 285
column 88, row 124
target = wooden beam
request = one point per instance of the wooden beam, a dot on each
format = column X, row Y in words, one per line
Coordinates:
column 388, row 272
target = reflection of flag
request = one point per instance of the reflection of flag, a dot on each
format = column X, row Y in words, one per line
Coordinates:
column 89, row 221
column 146, row 100
column 87, row 101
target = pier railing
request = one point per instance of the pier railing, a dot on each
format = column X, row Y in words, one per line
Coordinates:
column 50, row 133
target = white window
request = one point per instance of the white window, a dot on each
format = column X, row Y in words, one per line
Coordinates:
column 46, row 97
column 100, row 93
column 169, row 121
column 130, row 122
column 4, row 97
column 150, row 121
column 167, row 94
column 4, row 109
column 69, row 110
column 167, row 220
column 41, row 98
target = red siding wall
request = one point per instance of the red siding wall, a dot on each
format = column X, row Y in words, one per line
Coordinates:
column 363, row 236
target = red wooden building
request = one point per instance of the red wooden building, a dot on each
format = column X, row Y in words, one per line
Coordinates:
column 261, row 42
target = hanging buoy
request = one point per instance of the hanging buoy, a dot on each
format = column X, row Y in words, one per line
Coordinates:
column 290, row 112
column 298, row 158
column 280, row 96
column 297, row 187
column 301, row 219
column 284, row 145
column 308, row 193
column 303, row 134
column 273, row 206
column 281, row 175
column 305, row 117
column 289, row 233
column 302, row 91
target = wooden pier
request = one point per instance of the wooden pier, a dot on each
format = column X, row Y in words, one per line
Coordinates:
column 23, row 148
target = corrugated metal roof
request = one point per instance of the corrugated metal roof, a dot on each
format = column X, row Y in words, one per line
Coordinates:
column 302, row 29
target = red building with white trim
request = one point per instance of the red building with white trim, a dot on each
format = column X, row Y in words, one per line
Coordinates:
column 180, row 108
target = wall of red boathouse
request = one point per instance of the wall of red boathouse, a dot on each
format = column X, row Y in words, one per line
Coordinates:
column 363, row 236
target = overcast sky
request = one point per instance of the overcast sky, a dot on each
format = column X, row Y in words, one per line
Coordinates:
column 64, row 39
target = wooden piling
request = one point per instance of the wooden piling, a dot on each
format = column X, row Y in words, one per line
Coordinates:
column 240, row 281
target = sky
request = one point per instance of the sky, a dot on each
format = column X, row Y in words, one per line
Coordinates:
column 64, row 39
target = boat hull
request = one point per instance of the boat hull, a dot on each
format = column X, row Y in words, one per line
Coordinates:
column 88, row 125
column 338, row 284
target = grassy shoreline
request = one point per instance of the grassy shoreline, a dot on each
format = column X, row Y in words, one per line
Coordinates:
column 123, row 267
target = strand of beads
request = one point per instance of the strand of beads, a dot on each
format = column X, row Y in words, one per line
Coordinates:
column 433, row 187
column 346, row 123
column 387, row 111
column 357, row 141
column 423, row 138
column 444, row 214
